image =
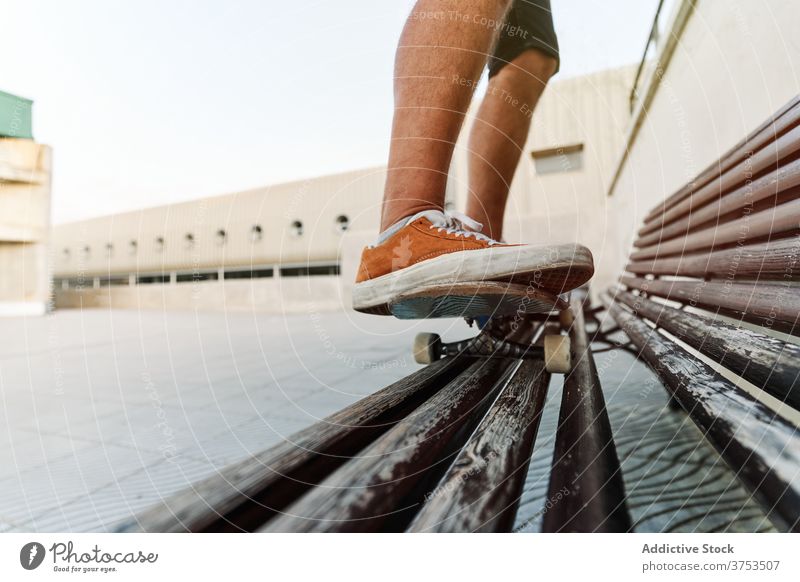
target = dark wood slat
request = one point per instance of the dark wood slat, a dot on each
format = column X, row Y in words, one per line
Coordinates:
column 769, row 363
column 776, row 306
column 388, row 479
column 765, row 159
column 586, row 483
column 771, row 221
column 246, row 494
column 770, row 185
column 786, row 118
column 776, row 259
column 759, row 445
column 480, row 492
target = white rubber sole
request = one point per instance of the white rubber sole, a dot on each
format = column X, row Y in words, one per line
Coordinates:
column 557, row 268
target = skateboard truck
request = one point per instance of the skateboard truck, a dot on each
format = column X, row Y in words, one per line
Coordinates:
column 554, row 349
column 490, row 304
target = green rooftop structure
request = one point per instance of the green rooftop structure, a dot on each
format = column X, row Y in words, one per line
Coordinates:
column 15, row 116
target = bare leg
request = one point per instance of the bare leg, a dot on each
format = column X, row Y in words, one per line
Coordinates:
column 441, row 54
column 499, row 134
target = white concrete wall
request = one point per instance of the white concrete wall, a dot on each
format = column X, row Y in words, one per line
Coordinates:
column 82, row 247
column 305, row 295
column 736, row 63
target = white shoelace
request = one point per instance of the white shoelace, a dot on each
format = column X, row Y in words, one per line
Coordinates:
column 452, row 222
column 457, row 223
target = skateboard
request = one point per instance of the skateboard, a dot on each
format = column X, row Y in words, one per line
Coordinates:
column 493, row 305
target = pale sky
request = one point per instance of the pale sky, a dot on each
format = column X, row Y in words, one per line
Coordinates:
column 148, row 102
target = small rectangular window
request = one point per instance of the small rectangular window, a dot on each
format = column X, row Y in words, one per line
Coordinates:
column 310, row 271
column 197, row 276
column 324, row 270
column 249, row 274
column 559, row 159
column 109, row 281
column 148, row 279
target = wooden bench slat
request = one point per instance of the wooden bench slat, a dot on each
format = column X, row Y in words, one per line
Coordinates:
column 776, row 259
column 386, row 481
column 774, row 305
column 768, row 157
column 758, row 444
column 481, row 490
column 773, row 221
column 585, row 461
column 771, row 185
column 765, row 361
column 246, row 494
column 786, row 118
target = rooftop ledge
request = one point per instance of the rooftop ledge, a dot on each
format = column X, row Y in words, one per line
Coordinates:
column 12, row 233
column 20, row 161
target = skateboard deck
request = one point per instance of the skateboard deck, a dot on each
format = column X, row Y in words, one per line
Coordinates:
column 475, row 299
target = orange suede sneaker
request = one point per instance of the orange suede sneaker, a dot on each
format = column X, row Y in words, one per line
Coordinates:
column 435, row 247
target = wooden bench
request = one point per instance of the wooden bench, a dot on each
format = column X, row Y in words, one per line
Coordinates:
column 448, row 448
column 715, row 271
column 445, row 449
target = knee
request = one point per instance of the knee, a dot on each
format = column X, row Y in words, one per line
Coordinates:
column 535, row 64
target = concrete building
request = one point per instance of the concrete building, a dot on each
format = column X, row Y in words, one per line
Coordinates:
column 25, row 177
column 275, row 249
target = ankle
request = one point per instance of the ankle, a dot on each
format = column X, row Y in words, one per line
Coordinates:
column 386, row 233
column 390, row 218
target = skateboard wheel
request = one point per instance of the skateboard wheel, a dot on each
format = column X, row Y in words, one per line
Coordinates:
column 566, row 318
column 557, row 356
column 426, row 347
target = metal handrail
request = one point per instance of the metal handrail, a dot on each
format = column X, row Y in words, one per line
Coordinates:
column 651, row 38
column 682, row 14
